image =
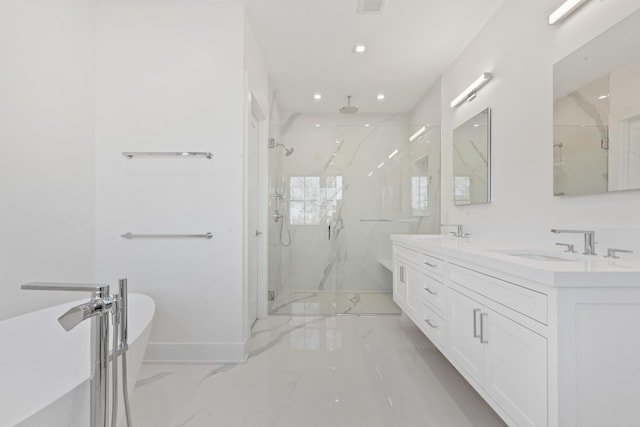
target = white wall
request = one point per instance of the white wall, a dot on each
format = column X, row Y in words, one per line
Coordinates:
column 170, row 78
column 47, row 105
column 519, row 48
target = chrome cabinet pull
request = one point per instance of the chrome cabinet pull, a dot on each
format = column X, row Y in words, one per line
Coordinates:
column 431, row 324
column 402, row 274
column 430, row 291
column 482, row 316
column 475, row 322
column 430, row 264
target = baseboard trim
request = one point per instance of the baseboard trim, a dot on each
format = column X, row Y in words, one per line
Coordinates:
column 196, row 353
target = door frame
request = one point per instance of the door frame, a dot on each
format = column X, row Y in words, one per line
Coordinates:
column 253, row 106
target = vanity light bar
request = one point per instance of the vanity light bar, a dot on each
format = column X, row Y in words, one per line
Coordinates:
column 418, row 133
column 468, row 92
column 565, row 10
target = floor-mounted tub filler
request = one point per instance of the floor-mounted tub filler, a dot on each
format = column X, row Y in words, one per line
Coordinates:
column 53, row 377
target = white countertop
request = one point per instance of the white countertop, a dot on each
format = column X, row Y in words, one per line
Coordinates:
column 576, row 271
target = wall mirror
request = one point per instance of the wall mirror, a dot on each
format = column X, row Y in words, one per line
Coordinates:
column 420, row 186
column 596, row 114
column 472, row 160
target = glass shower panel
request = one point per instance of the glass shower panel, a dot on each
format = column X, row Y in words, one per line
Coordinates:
column 348, row 188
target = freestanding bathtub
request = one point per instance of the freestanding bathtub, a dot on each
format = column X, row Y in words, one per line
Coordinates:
column 44, row 370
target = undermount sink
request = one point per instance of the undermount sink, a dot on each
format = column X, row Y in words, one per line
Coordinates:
column 538, row 255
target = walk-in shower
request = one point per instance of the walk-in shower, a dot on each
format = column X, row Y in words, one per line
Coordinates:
column 348, row 190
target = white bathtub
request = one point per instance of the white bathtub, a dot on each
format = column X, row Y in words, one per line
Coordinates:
column 44, row 370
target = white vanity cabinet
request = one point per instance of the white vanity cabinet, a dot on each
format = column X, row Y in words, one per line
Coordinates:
column 420, row 291
column 505, row 359
column 545, row 344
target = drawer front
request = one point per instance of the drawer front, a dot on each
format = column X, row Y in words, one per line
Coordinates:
column 434, row 292
column 433, row 326
column 528, row 302
column 407, row 254
column 433, row 265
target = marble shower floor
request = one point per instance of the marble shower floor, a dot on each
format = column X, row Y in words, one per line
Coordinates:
column 338, row 371
column 328, row 303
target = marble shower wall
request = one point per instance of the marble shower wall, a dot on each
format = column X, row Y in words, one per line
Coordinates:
column 344, row 196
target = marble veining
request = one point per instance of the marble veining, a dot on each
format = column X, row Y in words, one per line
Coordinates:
column 157, row 377
column 349, row 371
column 592, row 111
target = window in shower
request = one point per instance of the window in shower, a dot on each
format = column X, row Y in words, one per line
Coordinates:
column 462, row 190
column 312, row 199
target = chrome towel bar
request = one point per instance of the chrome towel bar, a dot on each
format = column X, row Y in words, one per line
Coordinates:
column 131, row 154
column 130, row 236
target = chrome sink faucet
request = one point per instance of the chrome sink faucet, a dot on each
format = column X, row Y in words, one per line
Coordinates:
column 589, row 239
column 459, row 233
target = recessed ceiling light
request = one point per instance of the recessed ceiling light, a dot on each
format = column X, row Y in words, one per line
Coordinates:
column 333, row 154
column 359, row 48
column 317, row 96
column 475, row 125
column 380, row 96
column 337, row 141
column 317, row 125
column 603, row 96
column 367, row 125
column 370, row 173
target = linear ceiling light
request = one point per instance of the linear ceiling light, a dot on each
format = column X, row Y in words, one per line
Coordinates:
column 565, row 10
column 471, row 90
column 392, row 155
column 418, row 133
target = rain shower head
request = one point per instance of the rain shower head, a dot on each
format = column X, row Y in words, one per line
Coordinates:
column 288, row 151
column 349, row 109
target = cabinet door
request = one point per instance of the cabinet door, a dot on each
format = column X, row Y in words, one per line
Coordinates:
column 515, row 369
column 463, row 330
column 400, row 284
column 415, row 292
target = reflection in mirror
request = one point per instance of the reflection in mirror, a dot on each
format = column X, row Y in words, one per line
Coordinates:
column 596, row 114
column 471, row 160
column 420, row 186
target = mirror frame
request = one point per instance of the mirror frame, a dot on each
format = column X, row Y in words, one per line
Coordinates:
column 488, row 135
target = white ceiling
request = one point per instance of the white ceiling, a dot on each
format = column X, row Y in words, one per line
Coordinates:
column 307, row 47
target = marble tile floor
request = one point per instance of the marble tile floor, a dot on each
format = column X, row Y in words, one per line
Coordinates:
column 328, row 303
column 337, row 371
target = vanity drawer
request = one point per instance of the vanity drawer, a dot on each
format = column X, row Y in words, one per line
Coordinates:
column 434, row 292
column 433, row 265
column 433, row 326
column 528, row 302
column 407, row 254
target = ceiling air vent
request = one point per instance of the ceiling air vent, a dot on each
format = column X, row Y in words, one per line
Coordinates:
column 370, row 6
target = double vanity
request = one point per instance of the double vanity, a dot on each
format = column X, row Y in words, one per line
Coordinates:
column 547, row 338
